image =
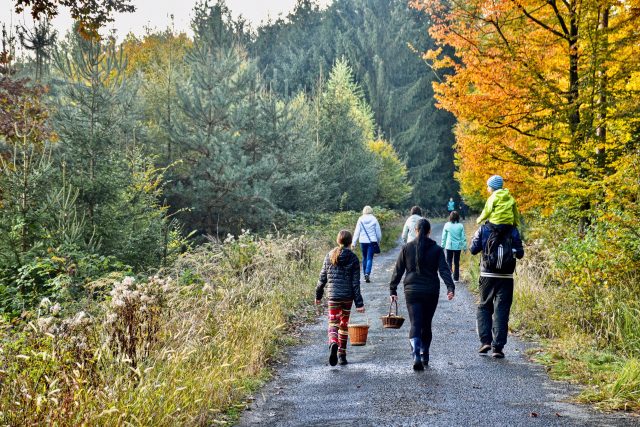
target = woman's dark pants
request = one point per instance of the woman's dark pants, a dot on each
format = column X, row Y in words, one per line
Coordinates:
column 421, row 311
column 496, row 296
column 453, row 259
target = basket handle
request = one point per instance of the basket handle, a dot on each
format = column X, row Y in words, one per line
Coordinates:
column 391, row 311
column 366, row 315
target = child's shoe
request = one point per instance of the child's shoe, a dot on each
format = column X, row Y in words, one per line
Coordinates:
column 333, row 354
column 342, row 359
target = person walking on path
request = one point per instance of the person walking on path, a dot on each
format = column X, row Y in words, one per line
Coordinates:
column 420, row 261
column 462, row 210
column 409, row 229
column 340, row 275
column 454, row 241
column 369, row 233
column 500, row 246
column 500, row 207
column 451, row 205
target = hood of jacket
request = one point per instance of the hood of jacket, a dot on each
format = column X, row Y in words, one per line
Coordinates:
column 368, row 219
column 504, row 198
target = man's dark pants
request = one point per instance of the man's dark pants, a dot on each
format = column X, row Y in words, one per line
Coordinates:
column 496, row 296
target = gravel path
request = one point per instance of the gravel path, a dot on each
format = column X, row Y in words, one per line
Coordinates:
column 379, row 387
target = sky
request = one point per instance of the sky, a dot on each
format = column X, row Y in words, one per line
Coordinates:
column 156, row 14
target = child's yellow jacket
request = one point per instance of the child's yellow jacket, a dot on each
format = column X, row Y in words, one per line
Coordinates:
column 500, row 209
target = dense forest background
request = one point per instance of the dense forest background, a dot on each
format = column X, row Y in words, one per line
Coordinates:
column 119, row 154
column 131, row 169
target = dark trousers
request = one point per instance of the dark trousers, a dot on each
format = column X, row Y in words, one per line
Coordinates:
column 367, row 257
column 496, row 296
column 421, row 311
column 453, row 259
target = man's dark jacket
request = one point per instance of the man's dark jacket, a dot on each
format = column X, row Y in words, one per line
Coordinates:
column 426, row 282
column 479, row 242
column 341, row 280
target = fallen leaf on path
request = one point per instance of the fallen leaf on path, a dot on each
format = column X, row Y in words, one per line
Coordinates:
column 558, row 415
column 533, row 415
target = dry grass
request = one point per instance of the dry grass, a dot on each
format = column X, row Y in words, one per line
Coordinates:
column 197, row 352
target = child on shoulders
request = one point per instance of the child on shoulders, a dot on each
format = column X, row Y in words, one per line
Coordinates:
column 501, row 207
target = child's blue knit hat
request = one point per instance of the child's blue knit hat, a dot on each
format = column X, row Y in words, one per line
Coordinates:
column 495, row 182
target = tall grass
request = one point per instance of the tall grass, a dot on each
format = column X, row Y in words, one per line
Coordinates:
column 197, row 350
column 184, row 347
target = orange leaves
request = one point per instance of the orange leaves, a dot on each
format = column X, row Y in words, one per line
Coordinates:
column 540, row 90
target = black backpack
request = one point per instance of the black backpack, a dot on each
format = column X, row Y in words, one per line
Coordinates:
column 497, row 255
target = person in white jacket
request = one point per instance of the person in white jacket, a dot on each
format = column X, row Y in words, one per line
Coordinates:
column 368, row 232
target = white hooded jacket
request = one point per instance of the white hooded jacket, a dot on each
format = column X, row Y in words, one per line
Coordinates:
column 367, row 230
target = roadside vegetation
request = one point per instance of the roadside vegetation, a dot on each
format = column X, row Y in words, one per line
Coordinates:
column 185, row 346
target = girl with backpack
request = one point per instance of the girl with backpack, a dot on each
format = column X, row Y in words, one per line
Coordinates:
column 420, row 261
column 340, row 275
column 454, row 241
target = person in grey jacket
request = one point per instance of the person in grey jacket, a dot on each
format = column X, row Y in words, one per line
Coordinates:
column 409, row 229
column 368, row 232
column 340, row 275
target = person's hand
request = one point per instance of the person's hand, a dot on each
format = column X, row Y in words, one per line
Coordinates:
column 360, row 309
column 393, row 298
column 450, row 296
column 318, row 302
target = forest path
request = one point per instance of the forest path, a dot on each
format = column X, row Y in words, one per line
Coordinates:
column 379, row 387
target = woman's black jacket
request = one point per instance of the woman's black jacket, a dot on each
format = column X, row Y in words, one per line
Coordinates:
column 425, row 282
column 341, row 280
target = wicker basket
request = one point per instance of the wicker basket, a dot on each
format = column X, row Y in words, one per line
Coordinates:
column 392, row 320
column 358, row 334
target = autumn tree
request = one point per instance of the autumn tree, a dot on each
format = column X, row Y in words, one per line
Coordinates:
column 539, row 90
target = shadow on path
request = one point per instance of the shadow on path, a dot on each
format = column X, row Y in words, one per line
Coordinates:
column 379, row 387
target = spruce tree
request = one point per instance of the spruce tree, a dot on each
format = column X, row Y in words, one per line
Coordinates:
column 98, row 121
column 349, row 169
column 226, row 162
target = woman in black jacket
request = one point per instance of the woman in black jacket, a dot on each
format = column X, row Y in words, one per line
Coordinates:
column 421, row 259
column 341, row 276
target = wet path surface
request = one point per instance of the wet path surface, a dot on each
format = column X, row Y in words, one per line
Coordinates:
column 379, row 387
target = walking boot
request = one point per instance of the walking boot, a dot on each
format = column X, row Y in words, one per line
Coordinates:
column 366, row 278
column 342, row 359
column 333, row 354
column 425, row 359
column 484, row 348
column 417, row 357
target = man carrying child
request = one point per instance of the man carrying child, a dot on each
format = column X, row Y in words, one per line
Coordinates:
column 499, row 241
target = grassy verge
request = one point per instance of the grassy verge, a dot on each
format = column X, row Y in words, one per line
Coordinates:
column 185, row 347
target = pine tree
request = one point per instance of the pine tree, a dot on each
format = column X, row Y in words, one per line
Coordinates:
column 225, row 160
column 98, row 121
column 349, row 169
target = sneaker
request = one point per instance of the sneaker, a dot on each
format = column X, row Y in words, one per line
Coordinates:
column 342, row 359
column 333, row 354
column 484, row 348
column 366, row 278
column 497, row 353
